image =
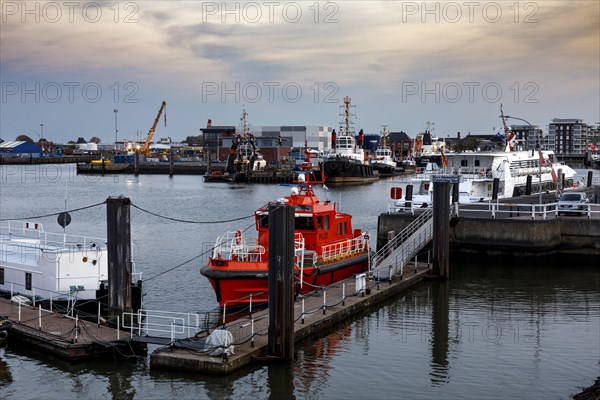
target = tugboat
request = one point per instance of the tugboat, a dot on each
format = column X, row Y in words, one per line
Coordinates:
column 428, row 148
column 243, row 158
column 346, row 165
column 383, row 161
column 327, row 249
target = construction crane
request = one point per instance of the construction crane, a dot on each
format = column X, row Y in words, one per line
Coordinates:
column 146, row 149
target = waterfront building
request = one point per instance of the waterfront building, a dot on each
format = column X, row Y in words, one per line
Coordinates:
column 19, row 148
column 568, row 136
column 530, row 136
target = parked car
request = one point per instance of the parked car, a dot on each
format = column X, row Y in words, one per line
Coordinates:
column 572, row 202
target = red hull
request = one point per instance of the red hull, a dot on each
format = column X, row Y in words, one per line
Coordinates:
column 234, row 290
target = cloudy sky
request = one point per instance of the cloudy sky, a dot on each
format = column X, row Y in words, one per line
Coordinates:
column 69, row 65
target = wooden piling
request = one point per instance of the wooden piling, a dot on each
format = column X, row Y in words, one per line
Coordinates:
column 441, row 217
column 281, row 282
column 119, row 255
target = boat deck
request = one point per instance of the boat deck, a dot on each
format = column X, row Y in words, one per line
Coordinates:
column 317, row 319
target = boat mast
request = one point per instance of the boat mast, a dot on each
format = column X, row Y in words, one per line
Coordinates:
column 348, row 129
column 384, row 137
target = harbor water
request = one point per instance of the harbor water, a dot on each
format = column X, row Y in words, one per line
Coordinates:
column 493, row 331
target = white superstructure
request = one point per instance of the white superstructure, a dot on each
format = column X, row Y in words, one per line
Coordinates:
column 50, row 265
column 479, row 169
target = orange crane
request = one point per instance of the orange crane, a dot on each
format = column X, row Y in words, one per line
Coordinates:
column 146, row 149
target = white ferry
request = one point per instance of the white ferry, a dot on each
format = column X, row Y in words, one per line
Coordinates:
column 477, row 171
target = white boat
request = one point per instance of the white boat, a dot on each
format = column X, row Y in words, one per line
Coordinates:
column 383, row 161
column 478, row 170
column 64, row 268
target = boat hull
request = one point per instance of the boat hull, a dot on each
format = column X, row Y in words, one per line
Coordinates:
column 234, row 282
column 345, row 171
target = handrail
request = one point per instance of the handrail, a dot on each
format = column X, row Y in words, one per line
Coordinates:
column 35, row 231
column 345, row 248
column 405, row 245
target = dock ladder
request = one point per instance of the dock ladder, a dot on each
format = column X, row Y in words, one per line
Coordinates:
column 391, row 258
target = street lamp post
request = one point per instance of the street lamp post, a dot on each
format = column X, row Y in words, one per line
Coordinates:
column 539, row 152
column 116, row 111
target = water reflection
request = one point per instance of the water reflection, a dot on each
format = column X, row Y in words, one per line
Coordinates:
column 439, row 332
column 281, row 381
column 5, row 375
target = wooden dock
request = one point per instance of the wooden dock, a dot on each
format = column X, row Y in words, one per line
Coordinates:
column 319, row 316
column 63, row 336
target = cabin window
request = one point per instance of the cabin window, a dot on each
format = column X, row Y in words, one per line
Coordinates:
column 477, row 163
column 326, row 223
column 1, row 276
column 464, row 163
column 304, row 223
column 263, row 221
column 341, row 228
column 319, row 223
column 27, row 280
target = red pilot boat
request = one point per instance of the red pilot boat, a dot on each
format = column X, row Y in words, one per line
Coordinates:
column 326, row 250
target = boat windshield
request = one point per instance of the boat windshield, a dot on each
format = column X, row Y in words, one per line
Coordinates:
column 304, row 223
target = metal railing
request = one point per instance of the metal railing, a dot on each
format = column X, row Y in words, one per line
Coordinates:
column 392, row 257
column 350, row 247
column 232, row 246
column 35, row 232
column 175, row 325
column 508, row 210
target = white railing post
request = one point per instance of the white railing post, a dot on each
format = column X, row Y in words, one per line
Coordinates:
column 118, row 328
column 98, row 313
column 76, row 327
column 250, row 311
column 224, row 312
column 33, row 296
column 343, row 293
column 172, row 331
column 51, row 295
column 11, row 289
column 19, row 310
column 533, row 211
column 302, row 311
column 252, row 332
column 40, row 316
column 324, row 299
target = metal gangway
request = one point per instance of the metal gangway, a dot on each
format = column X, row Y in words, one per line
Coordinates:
column 390, row 260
